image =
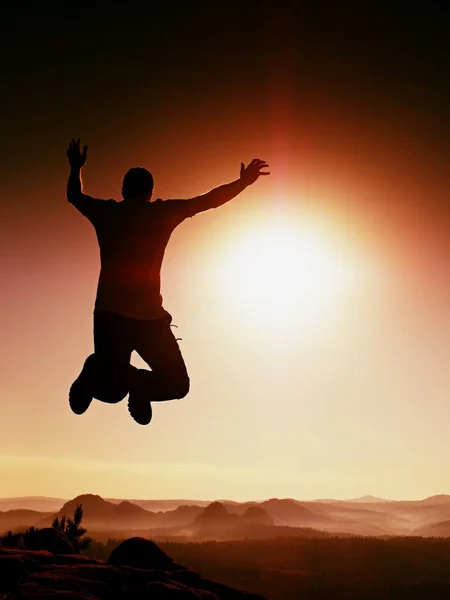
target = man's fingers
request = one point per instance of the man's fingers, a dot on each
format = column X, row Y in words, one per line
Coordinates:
column 257, row 162
column 74, row 153
column 74, row 146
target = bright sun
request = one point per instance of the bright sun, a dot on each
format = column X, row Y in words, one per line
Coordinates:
column 278, row 270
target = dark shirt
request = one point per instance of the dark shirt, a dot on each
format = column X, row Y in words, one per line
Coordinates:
column 132, row 237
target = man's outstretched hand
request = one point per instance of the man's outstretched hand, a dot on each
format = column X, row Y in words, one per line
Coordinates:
column 77, row 159
column 251, row 173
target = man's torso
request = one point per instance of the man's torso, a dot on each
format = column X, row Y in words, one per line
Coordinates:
column 132, row 238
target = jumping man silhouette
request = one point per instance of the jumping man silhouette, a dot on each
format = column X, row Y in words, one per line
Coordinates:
column 129, row 314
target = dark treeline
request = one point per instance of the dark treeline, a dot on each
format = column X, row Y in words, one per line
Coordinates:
column 288, row 569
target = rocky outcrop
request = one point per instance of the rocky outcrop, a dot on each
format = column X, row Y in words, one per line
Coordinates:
column 142, row 553
column 41, row 575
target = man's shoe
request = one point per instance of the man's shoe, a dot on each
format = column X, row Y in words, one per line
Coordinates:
column 139, row 405
column 81, row 393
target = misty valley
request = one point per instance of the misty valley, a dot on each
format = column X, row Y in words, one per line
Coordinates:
column 279, row 548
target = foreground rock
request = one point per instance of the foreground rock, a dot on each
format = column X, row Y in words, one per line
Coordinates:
column 141, row 553
column 41, row 575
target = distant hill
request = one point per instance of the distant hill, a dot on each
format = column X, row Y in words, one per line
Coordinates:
column 20, row 518
column 436, row 500
column 162, row 505
column 216, row 522
column 180, row 516
column 440, row 529
column 38, row 503
column 257, row 515
column 128, row 509
column 215, row 511
column 238, row 507
column 99, row 513
column 286, row 511
column 127, row 513
column 372, row 499
column 94, row 507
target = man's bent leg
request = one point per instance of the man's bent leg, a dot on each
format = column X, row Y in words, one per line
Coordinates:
column 106, row 374
column 158, row 347
column 113, row 348
column 168, row 380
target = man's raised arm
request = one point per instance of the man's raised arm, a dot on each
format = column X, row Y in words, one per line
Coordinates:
column 77, row 159
column 224, row 193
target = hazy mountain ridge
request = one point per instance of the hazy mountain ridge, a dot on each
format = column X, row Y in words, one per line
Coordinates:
column 369, row 498
column 439, row 529
column 20, row 517
column 364, row 516
column 39, row 503
column 162, row 505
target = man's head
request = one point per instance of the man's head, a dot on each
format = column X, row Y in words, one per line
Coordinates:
column 137, row 184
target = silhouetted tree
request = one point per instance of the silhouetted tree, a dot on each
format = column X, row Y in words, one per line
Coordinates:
column 11, row 540
column 27, row 536
column 72, row 530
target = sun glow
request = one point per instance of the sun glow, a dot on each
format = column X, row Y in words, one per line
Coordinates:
column 283, row 270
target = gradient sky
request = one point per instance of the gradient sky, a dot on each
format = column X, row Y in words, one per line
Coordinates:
column 350, row 109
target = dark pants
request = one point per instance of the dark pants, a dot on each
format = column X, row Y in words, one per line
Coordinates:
column 116, row 337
